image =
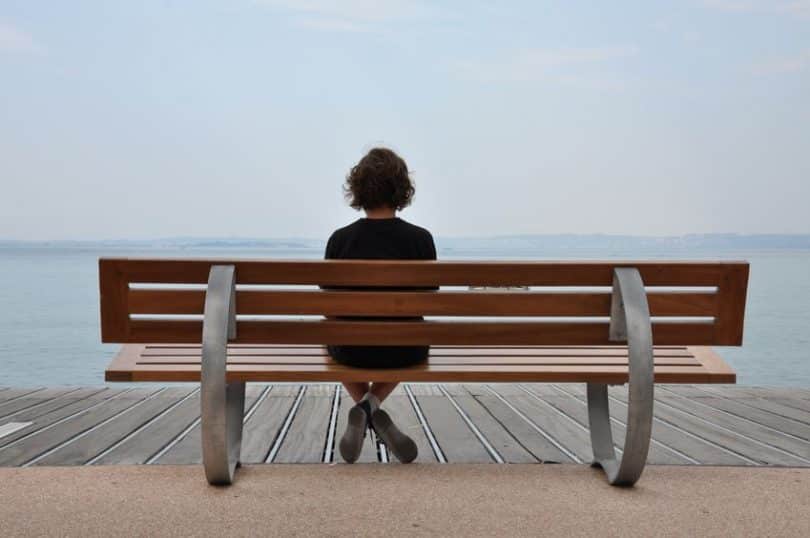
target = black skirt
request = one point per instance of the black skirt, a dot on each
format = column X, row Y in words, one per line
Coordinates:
column 379, row 356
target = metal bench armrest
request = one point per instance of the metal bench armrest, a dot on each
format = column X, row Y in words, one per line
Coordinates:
column 630, row 322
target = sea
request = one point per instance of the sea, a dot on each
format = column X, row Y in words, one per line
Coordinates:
column 49, row 308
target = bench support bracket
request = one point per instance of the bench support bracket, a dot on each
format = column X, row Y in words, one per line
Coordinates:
column 630, row 322
column 222, row 404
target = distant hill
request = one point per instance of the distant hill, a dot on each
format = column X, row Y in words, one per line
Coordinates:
column 529, row 243
column 604, row 241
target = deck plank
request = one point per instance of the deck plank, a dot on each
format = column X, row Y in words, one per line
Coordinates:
column 527, row 436
column 62, row 411
column 494, row 431
column 189, row 448
column 455, row 439
column 739, row 391
column 149, row 441
column 25, row 450
column 398, row 405
column 47, row 406
column 687, row 391
column 753, row 430
column 718, row 433
column 263, row 427
column 743, row 407
column 13, row 394
column 781, row 407
column 721, row 425
column 578, row 410
column 30, row 400
column 796, row 403
column 306, row 439
column 671, row 436
column 562, row 429
column 94, row 443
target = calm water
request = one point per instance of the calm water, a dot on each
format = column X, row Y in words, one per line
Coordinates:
column 49, row 329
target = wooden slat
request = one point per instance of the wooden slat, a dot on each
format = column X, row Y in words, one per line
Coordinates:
column 428, row 373
column 417, row 303
column 731, row 306
column 701, row 366
column 713, row 363
column 730, row 279
column 417, row 333
column 122, row 365
column 113, row 297
column 398, row 273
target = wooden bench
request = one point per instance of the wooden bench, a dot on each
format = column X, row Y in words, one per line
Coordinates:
column 599, row 323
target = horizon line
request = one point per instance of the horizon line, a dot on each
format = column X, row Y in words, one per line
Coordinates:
column 737, row 235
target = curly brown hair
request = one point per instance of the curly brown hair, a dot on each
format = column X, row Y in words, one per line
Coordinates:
column 379, row 180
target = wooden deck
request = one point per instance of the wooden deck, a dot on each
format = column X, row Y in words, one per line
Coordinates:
column 499, row 423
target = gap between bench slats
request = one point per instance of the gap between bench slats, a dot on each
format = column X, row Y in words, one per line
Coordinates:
column 320, row 351
column 494, row 360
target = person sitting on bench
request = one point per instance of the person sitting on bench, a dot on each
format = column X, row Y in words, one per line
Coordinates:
column 379, row 185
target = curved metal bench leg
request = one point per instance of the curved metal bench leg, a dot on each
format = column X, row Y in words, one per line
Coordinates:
column 630, row 321
column 222, row 404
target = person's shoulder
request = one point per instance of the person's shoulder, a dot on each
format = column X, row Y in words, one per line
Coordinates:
column 344, row 231
column 416, row 230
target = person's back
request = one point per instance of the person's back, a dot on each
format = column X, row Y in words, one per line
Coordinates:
column 379, row 185
column 380, row 238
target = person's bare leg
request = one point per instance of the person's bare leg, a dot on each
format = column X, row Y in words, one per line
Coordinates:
column 383, row 390
column 357, row 390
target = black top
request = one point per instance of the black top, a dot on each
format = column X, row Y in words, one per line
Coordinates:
column 380, row 239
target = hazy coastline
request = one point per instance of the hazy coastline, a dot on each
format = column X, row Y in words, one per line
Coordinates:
column 696, row 242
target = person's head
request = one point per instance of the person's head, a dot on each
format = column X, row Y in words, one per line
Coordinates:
column 379, row 181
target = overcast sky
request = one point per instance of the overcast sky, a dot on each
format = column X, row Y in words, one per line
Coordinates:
column 241, row 118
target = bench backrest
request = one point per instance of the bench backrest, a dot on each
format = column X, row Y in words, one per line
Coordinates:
column 161, row 301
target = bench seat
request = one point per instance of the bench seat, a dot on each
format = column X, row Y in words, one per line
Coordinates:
column 471, row 364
